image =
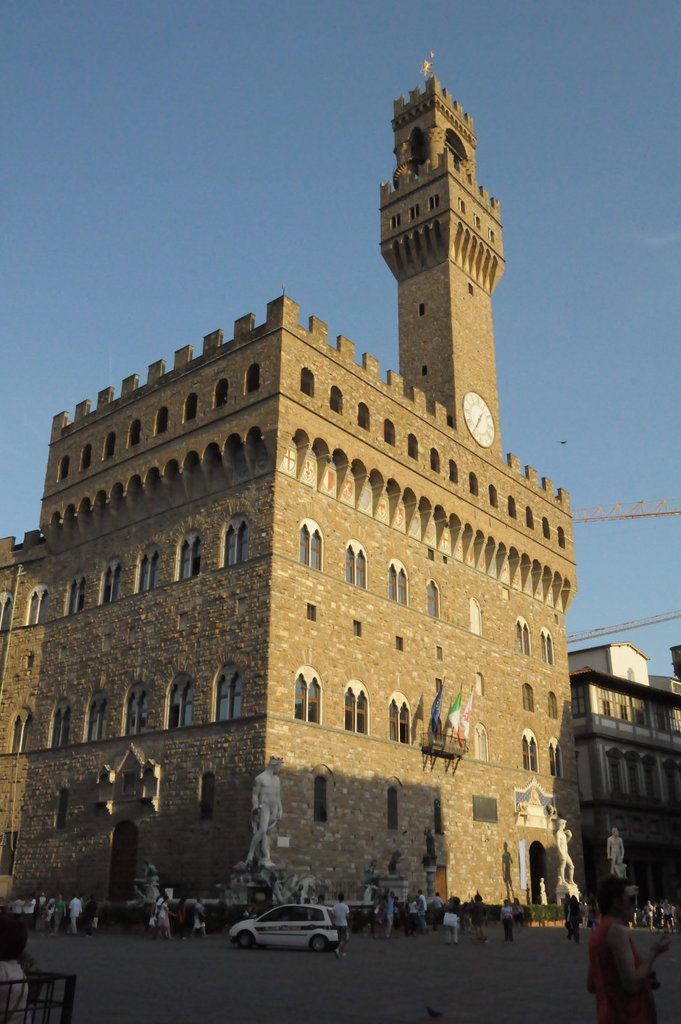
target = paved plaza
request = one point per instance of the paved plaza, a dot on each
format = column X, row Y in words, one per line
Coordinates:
column 540, row 978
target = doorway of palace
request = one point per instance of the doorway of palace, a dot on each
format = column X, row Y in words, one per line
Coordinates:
column 537, row 869
column 123, row 861
column 441, row 881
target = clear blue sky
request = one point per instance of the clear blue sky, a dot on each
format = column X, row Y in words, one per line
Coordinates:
column 168, row 165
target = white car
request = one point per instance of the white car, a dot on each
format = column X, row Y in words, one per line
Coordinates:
column 303, row 926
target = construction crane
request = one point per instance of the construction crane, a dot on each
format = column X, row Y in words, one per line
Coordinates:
column 624, row 627
column 634, row 510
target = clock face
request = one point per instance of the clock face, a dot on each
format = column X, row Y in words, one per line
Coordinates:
column 478, row 418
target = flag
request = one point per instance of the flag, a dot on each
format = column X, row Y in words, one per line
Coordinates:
column 455, row 713
column 435, row 711
column 465, row 720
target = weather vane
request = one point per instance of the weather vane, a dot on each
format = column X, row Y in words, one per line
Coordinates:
column 427, row 66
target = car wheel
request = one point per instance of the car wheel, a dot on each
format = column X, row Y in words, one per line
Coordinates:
column 245, row 939
column 319, row 943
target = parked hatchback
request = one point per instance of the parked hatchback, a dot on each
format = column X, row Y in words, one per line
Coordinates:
column 291, row 925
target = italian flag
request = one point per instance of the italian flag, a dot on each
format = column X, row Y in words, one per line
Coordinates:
column 454, row 715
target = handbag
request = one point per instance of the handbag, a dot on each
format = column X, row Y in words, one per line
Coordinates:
column 450, row 920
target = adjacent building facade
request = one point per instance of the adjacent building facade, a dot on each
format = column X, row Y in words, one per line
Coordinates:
column 268, row 549
column 627, row 728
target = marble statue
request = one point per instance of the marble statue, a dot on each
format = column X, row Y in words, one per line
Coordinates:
column 542, row 893
column 565, row 866
column 147, row 888
column 615, row 854
column 393, row 862
column 266, row 813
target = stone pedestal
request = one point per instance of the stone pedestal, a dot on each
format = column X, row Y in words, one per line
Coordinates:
column 566, row 889
column 430, row 867
column 393, row 883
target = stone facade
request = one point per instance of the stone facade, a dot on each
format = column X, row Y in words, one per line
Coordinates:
column 269, row 550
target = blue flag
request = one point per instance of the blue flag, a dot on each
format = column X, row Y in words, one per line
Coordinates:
column 435, row 710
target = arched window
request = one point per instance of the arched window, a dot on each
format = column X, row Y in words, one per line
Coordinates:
column 433, row 600
column 391, row 808
column 529, row 518
column 493, row 496
column 546, row 647
column 473, row 484
column 307, row 382
column 207, row 797
column 336, row 399
column 111, row 584
column 86, row 456
column 397, row 583
column 161, row 424
column 109, row 445
column 511, row 508
column 61, row 726
column 96, row 719
column 136, row 712
column 190, row 557
column 553, row 705
column 530, row 763
column 561, row 537
column 190, row 407
column 412, row 447
column 475, row 613
column 228, row 694
column 435, row 460
column 62, row 809
column 236, row 542
column 310, row 545
column 453, row 472
column 320, row 809
column 307, row 699
column 76, row 598
column 253, row 378
column 134, row 433
column 363, row 419
column 356, row 711
column 221, row 393
column 180, row 704
column 148, row 571
column 5, row 611
column 545, row 528
column 528, row 697
column 21, row 731
column 63, row 470
column 481, row 743
column 355, row 566
column 399, row 719
column 522, row 637
column 555, row 760
column 389, row 432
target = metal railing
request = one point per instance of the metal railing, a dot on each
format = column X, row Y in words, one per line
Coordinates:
column 40, row 998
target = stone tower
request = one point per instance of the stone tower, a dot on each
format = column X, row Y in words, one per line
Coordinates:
column 441, row 238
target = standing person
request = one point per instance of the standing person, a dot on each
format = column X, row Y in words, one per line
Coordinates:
column 58, row 914
column 389, row 914
column 182, row 919
column 478, row 917
column 339, row 913
column 438, row 907
column 618, row 975
column 75, row 910
column 163, row 916
column 518, row 916
column 507, row 920
column 90, row 915
column 421, row 907
column 199, row 920
column 451, row 921
column 575, row 916
column 29, row 912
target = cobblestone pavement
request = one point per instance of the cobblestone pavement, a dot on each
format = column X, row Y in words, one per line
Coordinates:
column 538, row 978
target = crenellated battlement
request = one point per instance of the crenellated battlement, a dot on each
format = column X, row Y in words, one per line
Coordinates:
column 431, row 88
column 431, row 171
column 284, row 314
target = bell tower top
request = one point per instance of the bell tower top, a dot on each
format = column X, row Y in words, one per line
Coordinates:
column 429, row 124
column 441, row 238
